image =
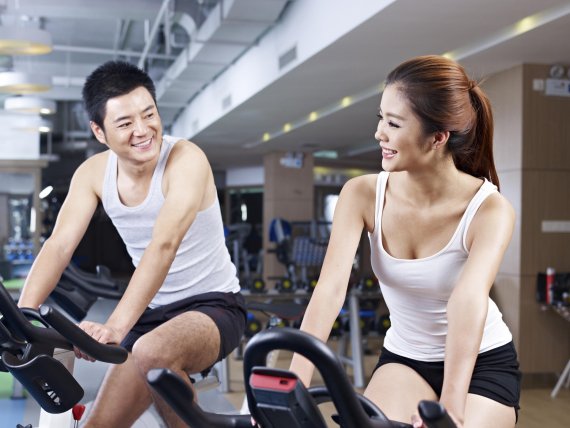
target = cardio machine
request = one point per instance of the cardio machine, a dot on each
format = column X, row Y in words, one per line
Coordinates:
column 77, row 289
column 31, row 354
column 278, row 399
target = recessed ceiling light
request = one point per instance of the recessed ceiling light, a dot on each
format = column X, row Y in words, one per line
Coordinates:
column 24, row 40
column 15, row 82
column 25, row 104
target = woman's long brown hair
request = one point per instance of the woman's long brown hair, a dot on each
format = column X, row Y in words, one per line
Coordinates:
column 445, row 99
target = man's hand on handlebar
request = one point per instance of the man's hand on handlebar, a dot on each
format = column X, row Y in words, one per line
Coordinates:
column 101, row 333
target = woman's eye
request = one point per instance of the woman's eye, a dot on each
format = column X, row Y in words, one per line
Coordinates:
column 379, row 115
column 393, row 125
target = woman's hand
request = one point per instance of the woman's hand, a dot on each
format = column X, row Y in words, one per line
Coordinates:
column 101, row 333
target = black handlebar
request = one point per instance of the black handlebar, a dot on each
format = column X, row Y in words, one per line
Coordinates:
column 336, row 379
column 102, row 352
column 434, row 415
column 27, row 352
column 63, row 335
column 353, row 409
column 180, row 397
column 15, row 320
column 91, row 284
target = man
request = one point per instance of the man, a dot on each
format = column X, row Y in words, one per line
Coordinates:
column 182, row 308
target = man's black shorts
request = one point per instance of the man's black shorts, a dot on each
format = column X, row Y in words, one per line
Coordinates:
column 226, row 309
column 496, row 374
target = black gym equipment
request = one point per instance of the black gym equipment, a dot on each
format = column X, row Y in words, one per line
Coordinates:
column 281, row 314
column 277, row 398
column 257, row 286
column 27, row 352
column 383, row 324
column 252, row 326
column 300, row 246
column 285, row 286
column 368, row 284
column 77, row 290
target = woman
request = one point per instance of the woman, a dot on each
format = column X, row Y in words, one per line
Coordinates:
column 438, row 231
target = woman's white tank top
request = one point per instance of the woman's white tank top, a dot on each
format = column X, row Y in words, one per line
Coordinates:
column 416, row 291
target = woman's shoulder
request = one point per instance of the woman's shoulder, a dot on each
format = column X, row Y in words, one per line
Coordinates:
column 497, row 204
column 494, row 214
column 359, row 193
column 363, row 185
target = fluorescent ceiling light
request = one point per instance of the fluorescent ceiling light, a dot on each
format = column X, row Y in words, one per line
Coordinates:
column 23, row 40
column 26, row 104
column 44, row 129
column 14, row 82
column 32, row 124
column 45, row 192
column 328, row 154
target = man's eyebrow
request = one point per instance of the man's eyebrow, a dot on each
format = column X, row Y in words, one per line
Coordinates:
column 150, row 107
column 121, row 118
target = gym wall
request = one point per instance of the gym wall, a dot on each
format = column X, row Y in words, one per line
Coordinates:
column 532, row 151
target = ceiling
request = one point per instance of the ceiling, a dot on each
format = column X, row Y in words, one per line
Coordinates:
column 196, row 41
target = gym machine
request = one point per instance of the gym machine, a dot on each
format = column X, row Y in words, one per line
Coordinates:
column 277, row 398
column 34, row 355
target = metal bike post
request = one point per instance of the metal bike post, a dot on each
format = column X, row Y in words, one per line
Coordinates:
column 356, row 339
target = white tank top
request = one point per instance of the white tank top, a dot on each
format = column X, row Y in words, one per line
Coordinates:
column 416, row 291
column 202, row 263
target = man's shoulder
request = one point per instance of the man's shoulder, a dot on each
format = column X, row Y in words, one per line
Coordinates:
column 92, row 170
column 186, row 149
column 96, row 163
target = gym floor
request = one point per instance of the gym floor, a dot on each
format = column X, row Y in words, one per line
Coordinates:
column 538, row 409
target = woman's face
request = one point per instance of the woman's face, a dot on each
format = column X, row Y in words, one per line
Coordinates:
column 402, row 140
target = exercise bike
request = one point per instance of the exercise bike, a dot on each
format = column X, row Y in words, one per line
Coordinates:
column 278, row 399
column 33, row 355
column 77, row 289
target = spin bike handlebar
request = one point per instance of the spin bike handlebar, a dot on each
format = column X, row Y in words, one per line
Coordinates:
column 180, row 397
column 64, row 334
column 28, row 352
column 76, row 336
column 349, row 408
column 355, row 411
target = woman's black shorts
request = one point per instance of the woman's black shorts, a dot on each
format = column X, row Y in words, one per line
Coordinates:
column 496, row 374
column 226, row 309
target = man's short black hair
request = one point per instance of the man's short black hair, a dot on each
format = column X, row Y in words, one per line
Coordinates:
column 109, row 80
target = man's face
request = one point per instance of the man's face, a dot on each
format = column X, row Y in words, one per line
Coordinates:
column 133, row 129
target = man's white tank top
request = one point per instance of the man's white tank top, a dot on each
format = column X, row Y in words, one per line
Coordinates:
column 202, row 263
column 416, row 291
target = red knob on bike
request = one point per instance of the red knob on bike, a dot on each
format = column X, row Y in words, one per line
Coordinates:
column 77, row 412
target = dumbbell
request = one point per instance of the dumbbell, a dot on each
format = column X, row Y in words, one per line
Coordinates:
column 383, row 324
column 368, row 284
column 252, row 326
column 257, row 286
column 337, row 329
column 365, row 321
column 284, row 286
column 310, row 286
